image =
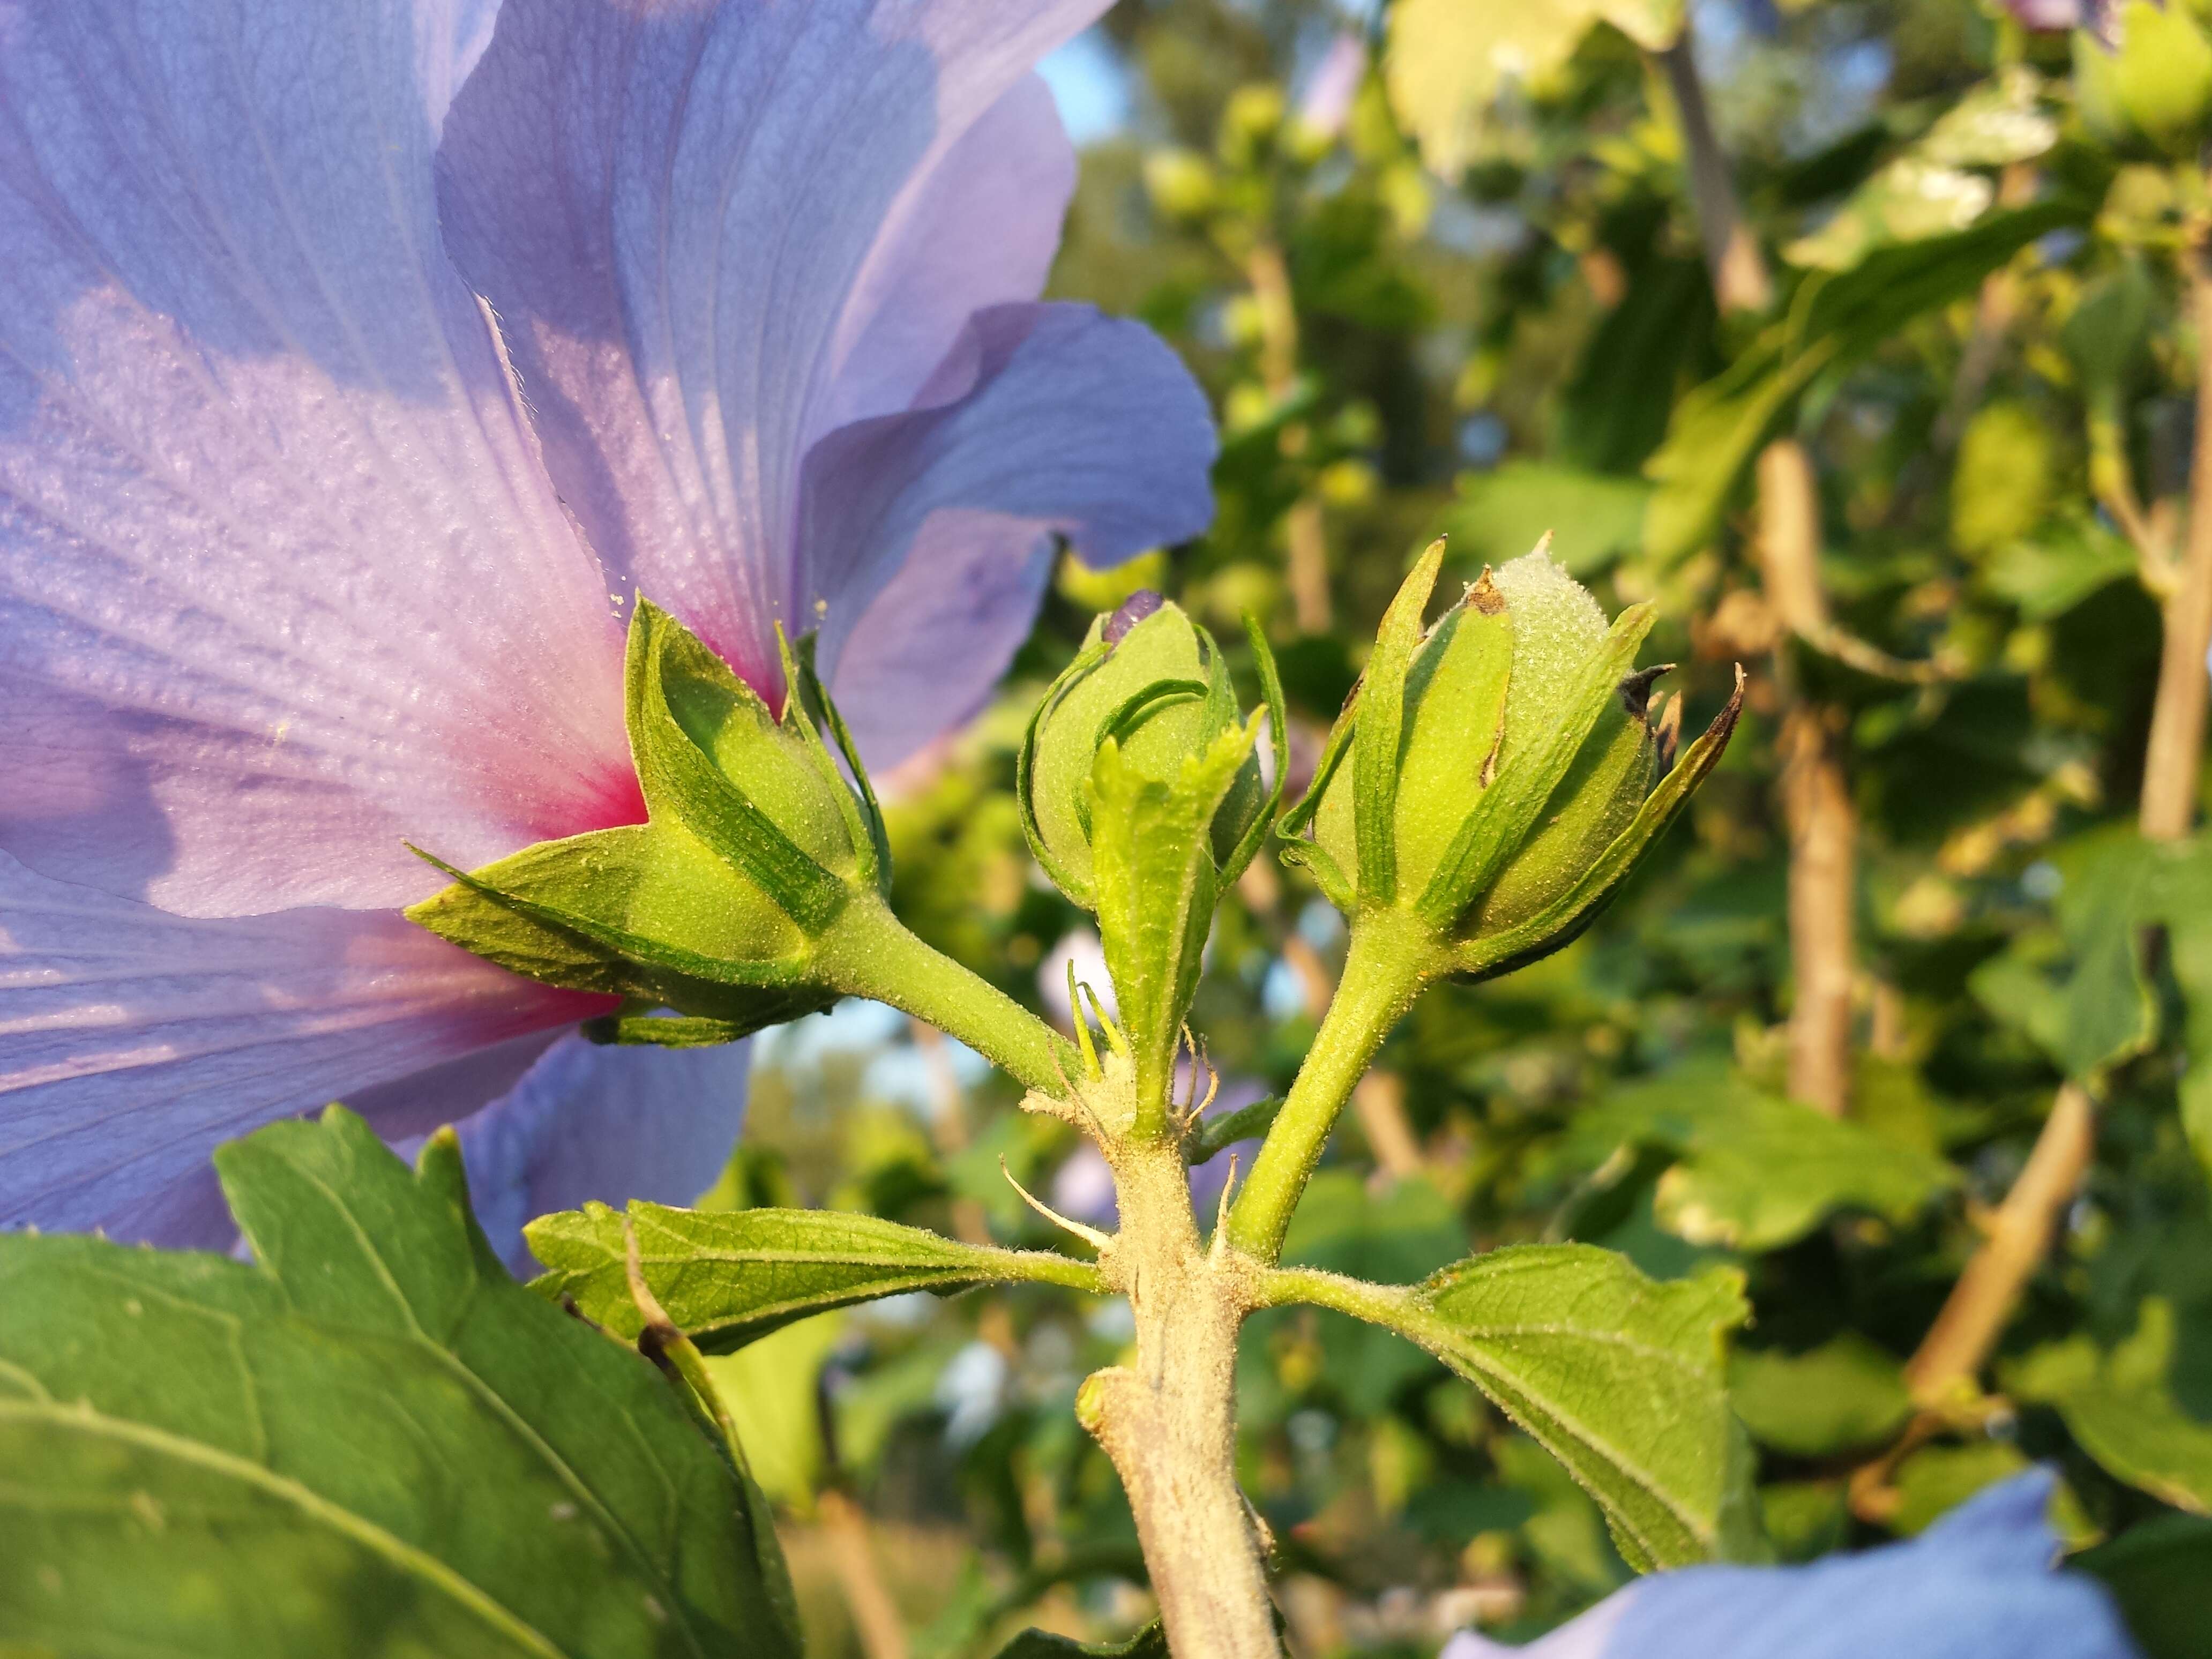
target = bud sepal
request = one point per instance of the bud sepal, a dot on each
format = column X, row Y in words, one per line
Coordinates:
column 1486, row 773
column 1143, row 796
column 754, row 846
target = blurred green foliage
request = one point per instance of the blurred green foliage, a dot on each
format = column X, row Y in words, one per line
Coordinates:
column 1492, row 319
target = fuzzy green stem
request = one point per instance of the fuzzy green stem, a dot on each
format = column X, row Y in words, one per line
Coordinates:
column 1391, row 960
column 868, row 952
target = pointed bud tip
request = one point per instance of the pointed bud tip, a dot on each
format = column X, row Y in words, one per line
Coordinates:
column 1635, row 688
column 1132, row 611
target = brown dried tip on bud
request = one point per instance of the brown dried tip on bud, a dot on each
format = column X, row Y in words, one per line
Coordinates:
column 1635, row 688
column 1131, row 611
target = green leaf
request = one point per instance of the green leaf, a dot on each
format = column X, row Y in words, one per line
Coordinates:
column 1930, row 189
column 1935, row 1479
column 2152, row 97
column 2112, row 1013
column 1844, row 1394
column 1756, row 1171
column 2106, row 335
column 1618, row 1376
column 1213, row 1136
column 1829, row 323
column 1591, row 517
column 1613, row 413
column 2062, row 565
column 771, row 1387
column 2006, row 476
column 2121, row 1408
column 373, row 1443
column 725, row 1277
column 2180, row 894
column 2160, row 1573
column 1446, row 58
column 1150, row 1643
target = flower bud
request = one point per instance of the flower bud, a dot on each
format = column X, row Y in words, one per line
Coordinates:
column 1510, row 783
column 754, row 846
column 1153, row 681
column 1141, row 794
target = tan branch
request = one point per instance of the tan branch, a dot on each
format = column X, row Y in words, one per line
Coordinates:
column 2175, row 753
column 1380, row 1100
column 875, row 1615
column 1738, row 274
column 1981, row 1303
column 1816, row 799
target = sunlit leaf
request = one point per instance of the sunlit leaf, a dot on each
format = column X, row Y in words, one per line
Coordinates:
column 1592, row 517
column 2121, row 1408
column 1844, row 1394
column 725, row 1277
column 2069, row 560
column 1831, row 323
column 1619, row 1376
column 373, row 1442
column 1447, row 58
column 1754, row 1171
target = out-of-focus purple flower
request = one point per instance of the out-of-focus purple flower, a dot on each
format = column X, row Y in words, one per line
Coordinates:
column 2098, row 17
column 1082, row 950
column 1980, row 1583
column 360, row 363
column 1326, row 104
column 1083, row 1186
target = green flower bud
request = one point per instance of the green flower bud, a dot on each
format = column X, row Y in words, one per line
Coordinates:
column 1153, row 681
column 754, row 845
column 1141, row 794
column 1495, row 773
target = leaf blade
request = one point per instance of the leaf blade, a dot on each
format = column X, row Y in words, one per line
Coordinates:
column 424, row 1453
column 727, row 1277
column 1562, row 1337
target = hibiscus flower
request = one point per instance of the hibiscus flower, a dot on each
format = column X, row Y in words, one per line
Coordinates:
column 361, row 364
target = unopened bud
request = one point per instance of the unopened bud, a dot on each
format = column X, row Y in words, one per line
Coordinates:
column 754, row 844
column 1153, row 681
column 1524, row 763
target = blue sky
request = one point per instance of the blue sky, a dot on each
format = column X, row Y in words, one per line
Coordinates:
column 1089, row 85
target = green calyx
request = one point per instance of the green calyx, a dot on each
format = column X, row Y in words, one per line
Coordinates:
column 1493, row 776
column 1153, row 683
column 1142, row 795
column 754, row 846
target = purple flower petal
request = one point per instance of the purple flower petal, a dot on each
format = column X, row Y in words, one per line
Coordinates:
column 290, row 565
column 281, row 578
column 707, row 259
column 133, row 1042
column 612, row 1124
column 1067, row 422
column 1981, row 1581
column 1326, row 104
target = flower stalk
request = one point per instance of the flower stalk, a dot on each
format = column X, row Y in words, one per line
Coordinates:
column 1488, row 787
